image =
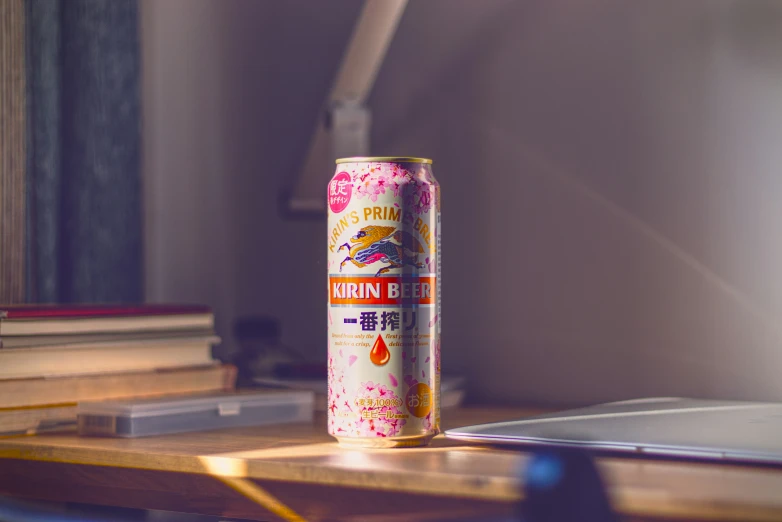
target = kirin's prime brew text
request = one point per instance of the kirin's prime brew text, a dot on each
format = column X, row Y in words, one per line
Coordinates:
column 384, row 302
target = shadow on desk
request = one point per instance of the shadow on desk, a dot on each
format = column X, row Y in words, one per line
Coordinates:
column 17, row 511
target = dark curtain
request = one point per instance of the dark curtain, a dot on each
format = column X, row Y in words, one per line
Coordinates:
column 84, row 188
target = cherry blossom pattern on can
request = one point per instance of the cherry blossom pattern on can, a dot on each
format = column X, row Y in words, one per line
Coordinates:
column 384, row 302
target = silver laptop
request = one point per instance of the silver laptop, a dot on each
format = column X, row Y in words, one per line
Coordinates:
column 674, row 427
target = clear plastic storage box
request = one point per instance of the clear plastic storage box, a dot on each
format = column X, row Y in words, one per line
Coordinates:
column 158, row 416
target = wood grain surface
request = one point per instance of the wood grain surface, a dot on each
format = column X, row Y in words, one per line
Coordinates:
column 235, row 472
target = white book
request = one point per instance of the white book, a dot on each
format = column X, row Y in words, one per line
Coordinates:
column 452, row 389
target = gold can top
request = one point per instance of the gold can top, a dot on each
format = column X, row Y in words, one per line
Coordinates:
column 384, row 159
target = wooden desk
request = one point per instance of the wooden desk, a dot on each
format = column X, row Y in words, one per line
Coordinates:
column 281, row 473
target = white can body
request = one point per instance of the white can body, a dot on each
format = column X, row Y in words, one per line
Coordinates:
column 384, row 302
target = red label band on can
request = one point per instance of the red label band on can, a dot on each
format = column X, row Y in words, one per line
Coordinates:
column 384, row 302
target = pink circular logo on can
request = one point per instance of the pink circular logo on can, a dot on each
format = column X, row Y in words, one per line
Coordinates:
column 340, row 190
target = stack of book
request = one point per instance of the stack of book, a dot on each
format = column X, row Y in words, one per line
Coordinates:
column 52, row 358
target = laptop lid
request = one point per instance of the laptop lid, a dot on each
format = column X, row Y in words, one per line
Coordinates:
column 675, row 427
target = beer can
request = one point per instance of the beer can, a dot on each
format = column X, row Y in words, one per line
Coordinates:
column 384, row 302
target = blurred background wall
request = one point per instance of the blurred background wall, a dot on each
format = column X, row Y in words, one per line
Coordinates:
column 610, row 172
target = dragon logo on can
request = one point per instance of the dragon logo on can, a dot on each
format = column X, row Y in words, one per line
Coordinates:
column 389, row 245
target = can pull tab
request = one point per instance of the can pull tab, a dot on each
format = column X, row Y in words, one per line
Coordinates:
column 225, row 409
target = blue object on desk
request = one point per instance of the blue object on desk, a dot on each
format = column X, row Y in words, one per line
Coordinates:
column 563, row 485
column 559, row 486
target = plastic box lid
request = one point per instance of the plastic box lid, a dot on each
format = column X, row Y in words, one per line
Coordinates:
column 172, row 414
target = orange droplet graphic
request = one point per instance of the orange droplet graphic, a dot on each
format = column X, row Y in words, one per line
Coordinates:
column 379, row 353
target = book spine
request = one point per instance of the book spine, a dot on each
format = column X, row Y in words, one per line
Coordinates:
column 12, row 151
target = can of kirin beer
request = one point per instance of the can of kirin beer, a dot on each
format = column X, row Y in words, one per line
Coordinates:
column 384, row 302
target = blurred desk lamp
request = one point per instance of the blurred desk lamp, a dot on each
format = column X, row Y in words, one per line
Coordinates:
column 344, row 129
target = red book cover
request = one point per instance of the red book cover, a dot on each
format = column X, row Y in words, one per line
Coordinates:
column 88, row 311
